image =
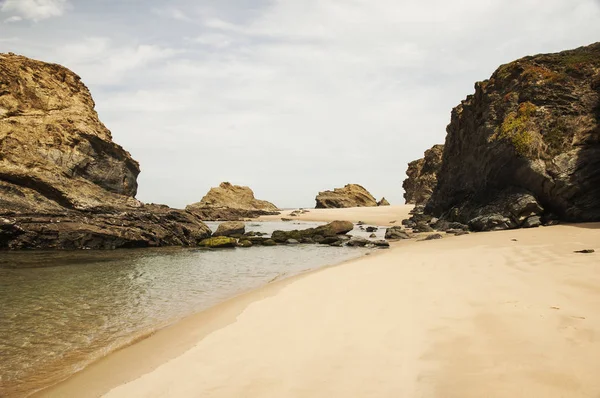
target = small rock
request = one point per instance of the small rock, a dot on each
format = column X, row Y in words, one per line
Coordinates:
column 292, row 242
column 372, row 236
column 329, row 240
column 269, row 242
column 217, row 242
column 433, row 236
column 230, row 228
column 360, row 223
column 357, row 242
column 337, row 243
column 381, row 243
column 371, row 229
column 532, row 222
column 286, row 219
column 244, row 243
column 393, row 222
column 585, row 251
column 396, row 233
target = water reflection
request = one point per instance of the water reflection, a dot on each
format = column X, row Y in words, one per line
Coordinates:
column 59, row 311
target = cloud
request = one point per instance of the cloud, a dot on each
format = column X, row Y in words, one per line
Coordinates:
column 35, row 10
column 14, row 18
column 293, row 97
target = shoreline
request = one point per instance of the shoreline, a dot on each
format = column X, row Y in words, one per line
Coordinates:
column 439, row 350
column 97, row 378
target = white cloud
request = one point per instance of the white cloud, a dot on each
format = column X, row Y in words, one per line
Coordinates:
column 294, row 97
column 35, row 10
column 14, row 18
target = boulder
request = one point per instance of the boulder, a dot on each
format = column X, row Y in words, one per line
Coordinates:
column 269, row 242
column 64, row 183
column 532, row 222
column 383, row 202
column 531, row 131
column 218, row 242
column 316, row 234
column 229, row 228
column 381, row 243
column 231, row 202
column 351, row 195
column 396, row 233
column 357, row 242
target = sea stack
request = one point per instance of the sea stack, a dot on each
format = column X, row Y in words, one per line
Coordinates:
column 63, row 182
column 351, row 195
column 231, row 202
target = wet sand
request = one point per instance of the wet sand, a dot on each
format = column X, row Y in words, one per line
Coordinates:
column 502, row 314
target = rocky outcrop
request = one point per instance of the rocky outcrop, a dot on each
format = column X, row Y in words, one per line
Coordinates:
column 422, row 176
column 230, row 228
column 63, row 182
column 383, row 202
column 351, row 195
column 232, row 203
column 526, row 144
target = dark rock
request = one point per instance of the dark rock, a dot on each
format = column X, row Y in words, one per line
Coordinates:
column 371, row 229
column 532, row 129
column 229, row 228
column 269, row 242
column 244, row 243
column 372, row 236
column 316, row 234
column 433, row 237
column 422, row 226
column 337, row 243
column 357, row 242
column 285, row 219
column 532, row 222
column 422, row 176
column 396, row 233
column 493, row 222
column 351, row 195
column 585, row 251
column 381, row 243
column 218, row 242
column 329, row 240
column 307, row 240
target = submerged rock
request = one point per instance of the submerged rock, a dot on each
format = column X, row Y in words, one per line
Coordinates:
column 351, row 195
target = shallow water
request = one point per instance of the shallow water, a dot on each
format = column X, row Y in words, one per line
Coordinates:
column 60, row 311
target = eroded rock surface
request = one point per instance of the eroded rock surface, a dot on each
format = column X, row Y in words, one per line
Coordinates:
column 63, row 182
column 351, row 195
column 526, row 144
column 231, row 202
column 422, row 176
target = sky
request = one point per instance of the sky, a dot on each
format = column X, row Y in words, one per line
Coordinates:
column 289, row 97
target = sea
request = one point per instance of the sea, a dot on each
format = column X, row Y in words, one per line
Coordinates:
column 62, row 310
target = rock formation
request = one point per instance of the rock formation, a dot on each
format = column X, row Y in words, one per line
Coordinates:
column 231, row 202
column 526, row 144
column 351, row 195
column 63, row 182
column 383, row 202
column 422, row 176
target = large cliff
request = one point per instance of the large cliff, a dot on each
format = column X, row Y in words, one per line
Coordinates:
column 422, row 176
column 63, row 182
column 527, row 143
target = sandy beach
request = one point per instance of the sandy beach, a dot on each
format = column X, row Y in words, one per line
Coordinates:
column 382, row 215
column 500, row 314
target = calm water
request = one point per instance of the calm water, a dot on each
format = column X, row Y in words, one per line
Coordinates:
column 60, row 311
